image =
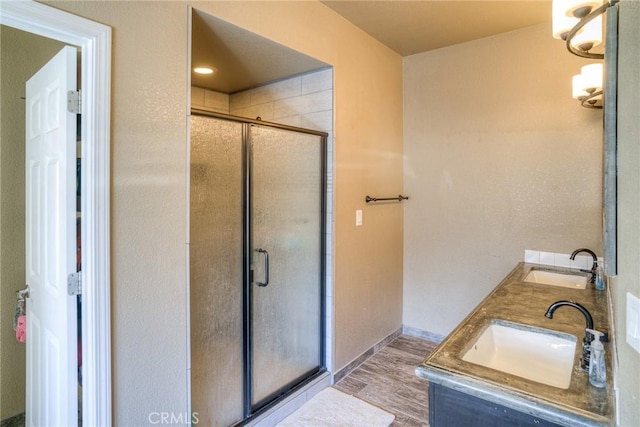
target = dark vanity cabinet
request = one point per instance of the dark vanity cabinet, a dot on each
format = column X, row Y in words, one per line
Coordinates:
column 452, row 408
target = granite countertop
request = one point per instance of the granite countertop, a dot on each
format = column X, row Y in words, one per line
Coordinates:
column 522, row 302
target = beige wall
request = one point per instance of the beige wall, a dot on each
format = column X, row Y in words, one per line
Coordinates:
column 469, row 228
column 149, row 146
column 498, row 159
column 149, row 199
column 22, row 55
column 628, row 208
column 367, row 155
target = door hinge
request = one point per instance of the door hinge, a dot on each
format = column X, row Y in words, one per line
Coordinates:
column 74, row 283
column 74, row 101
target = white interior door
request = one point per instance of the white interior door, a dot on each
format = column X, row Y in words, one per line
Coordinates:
column 52, row 396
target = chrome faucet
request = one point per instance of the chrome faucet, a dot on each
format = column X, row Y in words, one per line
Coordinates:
column 594, row 266
column 586, row 341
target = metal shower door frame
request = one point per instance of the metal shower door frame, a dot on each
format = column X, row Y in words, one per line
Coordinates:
column 249, row 409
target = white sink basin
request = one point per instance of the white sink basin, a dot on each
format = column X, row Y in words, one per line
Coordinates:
column 536, row 354
column 564, row 280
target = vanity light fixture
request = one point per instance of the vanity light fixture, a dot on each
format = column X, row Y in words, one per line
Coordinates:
column 579, row 23
column 587, row 86
column 204, row 70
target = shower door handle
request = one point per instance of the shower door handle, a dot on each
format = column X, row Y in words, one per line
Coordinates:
column 266, row 267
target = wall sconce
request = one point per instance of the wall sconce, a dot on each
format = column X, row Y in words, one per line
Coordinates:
column 579, row 23
column 587, row 86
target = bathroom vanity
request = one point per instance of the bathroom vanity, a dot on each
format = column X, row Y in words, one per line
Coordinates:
column 542, row 385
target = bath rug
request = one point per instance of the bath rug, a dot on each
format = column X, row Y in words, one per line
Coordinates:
column 333, row 408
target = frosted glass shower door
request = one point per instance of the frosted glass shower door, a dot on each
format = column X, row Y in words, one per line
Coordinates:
column 216, row 270
column 256, row 264
column 286, row 205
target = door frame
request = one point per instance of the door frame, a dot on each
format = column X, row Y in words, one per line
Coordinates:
column 94, row 40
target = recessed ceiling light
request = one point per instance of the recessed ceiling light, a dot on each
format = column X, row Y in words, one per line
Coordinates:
column 203, row 70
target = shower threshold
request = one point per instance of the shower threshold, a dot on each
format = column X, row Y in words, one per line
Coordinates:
column 282, row 408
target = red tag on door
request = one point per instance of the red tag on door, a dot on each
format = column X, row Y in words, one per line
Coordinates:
column 21, row 329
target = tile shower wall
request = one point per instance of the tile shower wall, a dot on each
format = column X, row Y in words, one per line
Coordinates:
column 209, row 100
column 304, row 101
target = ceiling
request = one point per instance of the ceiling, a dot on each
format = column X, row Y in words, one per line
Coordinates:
column 242, row 59
column 410, row 27
column 245, row 60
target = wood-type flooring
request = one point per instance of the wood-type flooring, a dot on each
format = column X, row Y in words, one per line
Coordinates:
column 388, row 380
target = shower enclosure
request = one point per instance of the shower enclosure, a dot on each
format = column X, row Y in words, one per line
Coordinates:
column 256, row 264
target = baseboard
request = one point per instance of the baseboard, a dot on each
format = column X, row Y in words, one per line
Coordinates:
column 425, row 335
column 406, row 330
column 340, row 374
column 15, row 421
